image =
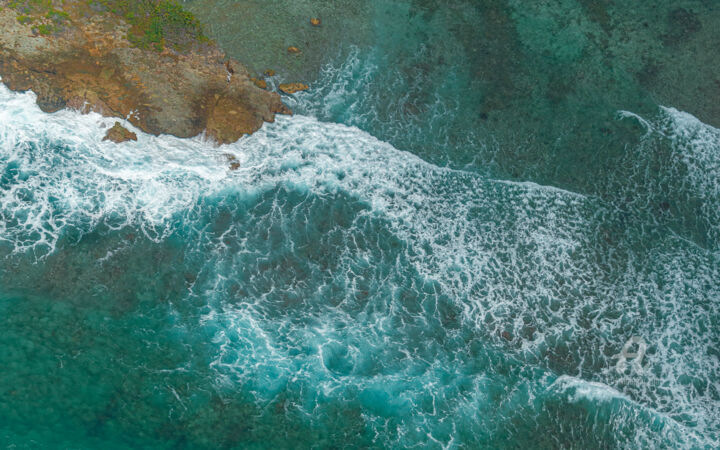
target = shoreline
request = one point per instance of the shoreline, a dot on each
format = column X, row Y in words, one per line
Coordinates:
column 179, row 83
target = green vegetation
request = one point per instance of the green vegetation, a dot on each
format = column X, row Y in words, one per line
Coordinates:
column 45, row 29
column 42, row 11
column 23, row 19
column 154, row 23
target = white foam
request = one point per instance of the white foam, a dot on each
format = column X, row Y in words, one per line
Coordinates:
column 579, row 390
column 71, row 177
column 698, row 145
column 505, row 253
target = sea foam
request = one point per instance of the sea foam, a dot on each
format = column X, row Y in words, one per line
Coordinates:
column 429, row 276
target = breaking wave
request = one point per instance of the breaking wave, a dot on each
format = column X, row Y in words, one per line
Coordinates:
column 332, row 275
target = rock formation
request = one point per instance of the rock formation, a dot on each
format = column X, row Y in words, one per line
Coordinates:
column 87, row 62
column 291, row 88
column 119, row 133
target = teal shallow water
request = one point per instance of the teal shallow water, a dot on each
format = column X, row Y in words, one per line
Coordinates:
column 473, row 291
column 335, row 289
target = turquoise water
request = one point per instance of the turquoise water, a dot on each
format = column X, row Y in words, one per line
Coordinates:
column 403, row 263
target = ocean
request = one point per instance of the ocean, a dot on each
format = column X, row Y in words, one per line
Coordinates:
column 489, row 224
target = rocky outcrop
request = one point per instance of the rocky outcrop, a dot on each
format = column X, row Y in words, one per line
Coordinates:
column 119, row 133
column 291, row 88
column 262, row 84
column 90, row 65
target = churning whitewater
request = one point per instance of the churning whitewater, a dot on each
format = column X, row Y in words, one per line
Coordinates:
column 335, row 286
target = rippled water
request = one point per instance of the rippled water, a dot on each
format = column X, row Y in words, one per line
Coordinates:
column 375, row 274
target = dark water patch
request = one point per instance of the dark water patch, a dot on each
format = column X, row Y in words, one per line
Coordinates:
column 526, row 92
column 682, row 24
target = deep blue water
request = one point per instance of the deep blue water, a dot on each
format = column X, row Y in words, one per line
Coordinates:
column 395, row 266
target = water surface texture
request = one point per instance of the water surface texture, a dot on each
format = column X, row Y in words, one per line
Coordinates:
column 480, row 211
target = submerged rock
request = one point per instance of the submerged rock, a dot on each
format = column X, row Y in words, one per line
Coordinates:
column 89, row 64
column 119, row 133
column 262, row 84
column 234, row 163
column 293, row 49
column 291, row 88
column 315, row 22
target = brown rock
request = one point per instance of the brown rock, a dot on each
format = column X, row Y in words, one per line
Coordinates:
column 293, row 49
column 234, row 163
column 291, row 88
column 119, row 133
column 89, row 65
column 262, row 84
column 315, row 22
column 269, row 73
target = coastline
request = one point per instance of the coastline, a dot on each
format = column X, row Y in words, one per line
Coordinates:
column 178, row 83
